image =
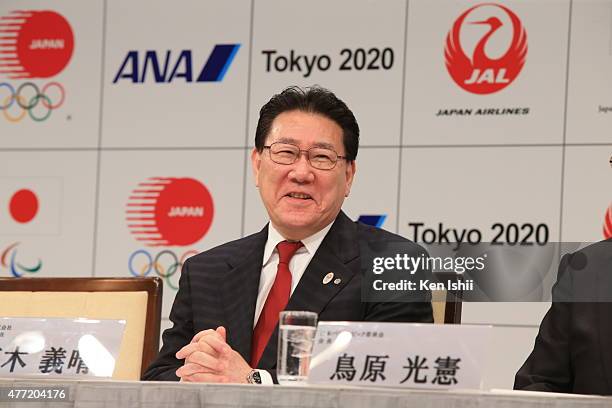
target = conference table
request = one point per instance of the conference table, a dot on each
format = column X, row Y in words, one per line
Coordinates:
column 134, row 394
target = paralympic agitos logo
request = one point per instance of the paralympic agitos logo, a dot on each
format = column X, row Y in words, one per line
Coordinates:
column 481, row 74
column 33, row 44
column 8, row 259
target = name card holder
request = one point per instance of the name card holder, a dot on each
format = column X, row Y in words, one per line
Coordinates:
column 54, row 347
column 404, row 355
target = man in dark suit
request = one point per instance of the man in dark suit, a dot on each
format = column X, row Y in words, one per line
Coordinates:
column 573, row 349
column 225, row 313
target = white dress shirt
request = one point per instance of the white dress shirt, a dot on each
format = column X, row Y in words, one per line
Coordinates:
column 297, row 266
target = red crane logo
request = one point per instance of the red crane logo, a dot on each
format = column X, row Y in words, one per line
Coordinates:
column 481, row 74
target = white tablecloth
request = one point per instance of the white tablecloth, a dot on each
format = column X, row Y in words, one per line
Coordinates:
column 114, row 394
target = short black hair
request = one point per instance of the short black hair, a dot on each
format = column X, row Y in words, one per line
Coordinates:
column 315, row 100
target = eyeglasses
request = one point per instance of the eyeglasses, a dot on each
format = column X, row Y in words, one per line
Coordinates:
column 318, row 157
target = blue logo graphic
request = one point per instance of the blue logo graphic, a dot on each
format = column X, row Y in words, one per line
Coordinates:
column 373, row 220
column 138, row 67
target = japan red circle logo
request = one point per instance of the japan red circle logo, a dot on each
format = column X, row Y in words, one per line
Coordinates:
column 168, row 211
column 35, row 44
column 23, row 206
column 482, row 74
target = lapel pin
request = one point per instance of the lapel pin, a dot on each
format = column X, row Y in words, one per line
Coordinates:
column 337, row 281
column 328, row 278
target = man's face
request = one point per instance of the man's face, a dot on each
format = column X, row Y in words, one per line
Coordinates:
column 301, row 199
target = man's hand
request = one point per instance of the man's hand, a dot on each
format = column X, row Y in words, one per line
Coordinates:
column 208, row 358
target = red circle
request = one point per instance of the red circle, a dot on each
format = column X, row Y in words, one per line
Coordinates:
column 23, row 206
column 184, row 212
column 45, row 44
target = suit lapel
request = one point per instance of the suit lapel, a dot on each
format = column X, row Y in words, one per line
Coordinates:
column 240, row 293
column 339, row 247
column 604, row 312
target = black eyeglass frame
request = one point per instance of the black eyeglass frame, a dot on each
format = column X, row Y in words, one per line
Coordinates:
column 299, row 153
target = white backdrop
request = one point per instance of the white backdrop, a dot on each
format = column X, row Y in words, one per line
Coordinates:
column 172, row 90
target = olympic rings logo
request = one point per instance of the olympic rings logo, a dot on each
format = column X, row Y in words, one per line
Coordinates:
column 27, row 103
column 165, row 264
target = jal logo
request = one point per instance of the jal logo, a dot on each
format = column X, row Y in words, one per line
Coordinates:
column 35, row 44
column 165, row 67
column 490, row 66
column 607, row 227
column 168, row 211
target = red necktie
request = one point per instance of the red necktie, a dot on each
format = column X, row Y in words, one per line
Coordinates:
column 276, row 301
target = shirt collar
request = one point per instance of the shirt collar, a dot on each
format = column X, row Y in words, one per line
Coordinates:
column 311, row 243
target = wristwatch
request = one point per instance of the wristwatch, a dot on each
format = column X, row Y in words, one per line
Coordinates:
column 254, row 377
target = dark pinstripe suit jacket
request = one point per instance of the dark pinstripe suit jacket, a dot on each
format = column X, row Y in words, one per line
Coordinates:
column 219, row 288
column 573, row 349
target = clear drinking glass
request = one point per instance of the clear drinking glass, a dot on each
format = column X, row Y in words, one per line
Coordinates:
column 296, row 334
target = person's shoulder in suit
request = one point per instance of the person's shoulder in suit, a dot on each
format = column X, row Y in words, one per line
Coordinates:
column 567, row 353
column 227, row 254
column 377, row 234
column 371, row 234
column 591, row 257
column 584, row 273
column 379, row 242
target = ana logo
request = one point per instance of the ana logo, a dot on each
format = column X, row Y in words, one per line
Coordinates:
column 33, row 44
column 373, row 220
column 607, row 227
column 481, row 74
column 139, row 67
column 167, row 211
column 8, row 259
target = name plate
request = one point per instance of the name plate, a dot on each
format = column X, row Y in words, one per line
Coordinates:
column 53, row 347
column 404, row 355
